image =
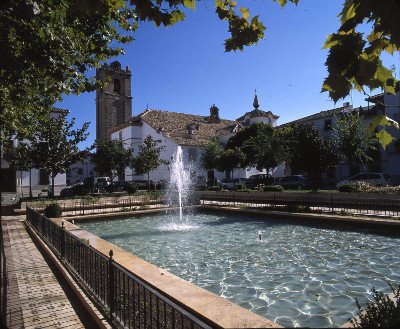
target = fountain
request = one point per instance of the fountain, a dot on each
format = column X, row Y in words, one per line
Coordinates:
column 179, row 186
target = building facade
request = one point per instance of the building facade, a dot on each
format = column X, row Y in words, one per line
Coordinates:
column 81, row 170
column 15, row 181
column 191, row 132
column 113, row 101
column 383, row 160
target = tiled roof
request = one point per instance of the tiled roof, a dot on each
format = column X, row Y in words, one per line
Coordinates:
column 364, row 111
column 175, row 126
column 257, row 113
column 316, row 116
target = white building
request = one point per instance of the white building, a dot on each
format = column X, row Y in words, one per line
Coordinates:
column 191, row 132
column 385, row 160
column 14, row 181
column 81, row 170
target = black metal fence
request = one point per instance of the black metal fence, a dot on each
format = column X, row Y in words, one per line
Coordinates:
column 103, row 205
column 128, row 301
column 324, row 203
column 4, row 282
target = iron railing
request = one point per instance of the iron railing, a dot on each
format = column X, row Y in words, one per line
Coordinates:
column 4, row 282
column 128, row 301
column 325, row 203
column 116, row 204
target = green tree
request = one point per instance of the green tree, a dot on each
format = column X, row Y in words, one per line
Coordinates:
column 149, row 158
column 56, row 145
column 231, row 159
column 209, row 158
column 48, row 46
column 270, row 148
column 21, row 158
column 111, row 158
column 353, row 140
column 354, row 57
column 244, row 140
column 264, row 147
column 310, row 152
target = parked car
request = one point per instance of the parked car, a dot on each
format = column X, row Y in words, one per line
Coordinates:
column 118, row 186
column 214, row 182
column 201, row 183
column 67, row 192
column 142, row 184
column 100, row 182
column 231, row 183
column 292, row 182
column 260, row 179
column 376, row 179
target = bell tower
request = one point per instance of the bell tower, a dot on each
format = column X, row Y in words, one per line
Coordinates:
column 113, row 101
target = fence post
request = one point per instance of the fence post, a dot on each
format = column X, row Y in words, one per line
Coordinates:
column 332, row 203
column 62, row 240
column 111, row 293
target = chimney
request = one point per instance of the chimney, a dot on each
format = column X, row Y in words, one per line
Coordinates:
column 214, row 115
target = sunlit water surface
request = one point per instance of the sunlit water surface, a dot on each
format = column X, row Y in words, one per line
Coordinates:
column 296, row 276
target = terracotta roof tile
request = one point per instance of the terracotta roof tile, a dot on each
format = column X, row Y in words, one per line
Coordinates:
column 175, row 125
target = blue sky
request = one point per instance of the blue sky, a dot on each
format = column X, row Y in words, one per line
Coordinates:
column 184, row 68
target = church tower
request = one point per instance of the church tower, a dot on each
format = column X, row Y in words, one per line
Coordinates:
column 114, row 101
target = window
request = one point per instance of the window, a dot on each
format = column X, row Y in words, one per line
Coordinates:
column 117, row 86
column 328, row 124
column 192, row 155
column 80, row 171
column 120, row 135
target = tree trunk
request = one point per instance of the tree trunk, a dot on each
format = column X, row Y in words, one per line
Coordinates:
column 22, row 189
column 148, row 181
column 52, row 185
column 30, row 183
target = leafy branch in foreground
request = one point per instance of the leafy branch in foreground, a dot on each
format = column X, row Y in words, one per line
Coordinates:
column 354, row 59
column 383, row 313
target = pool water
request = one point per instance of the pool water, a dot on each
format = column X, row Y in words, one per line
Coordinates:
column 297, row 275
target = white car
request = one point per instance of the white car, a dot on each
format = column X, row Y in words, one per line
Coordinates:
column 376, row 179
column 231, row 183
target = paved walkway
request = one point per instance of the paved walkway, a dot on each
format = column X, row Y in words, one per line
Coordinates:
column 35, row 297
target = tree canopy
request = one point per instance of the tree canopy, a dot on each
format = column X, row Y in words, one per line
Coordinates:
column 48, row 46
column 111, row 157
column 56, row 145
column 310, row 152
column 353, row 139
column 149, row 157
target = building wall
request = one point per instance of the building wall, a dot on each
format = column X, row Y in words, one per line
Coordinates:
column 114, row 101
column 79, row 171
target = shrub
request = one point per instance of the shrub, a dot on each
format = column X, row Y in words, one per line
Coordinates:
column 346, row 188
column 132, row 188
column 297, row 208
column 383, row 312
column 214, row 188
column 361, row 187
column 273, row 188
column 53, row 210
column 80, row 189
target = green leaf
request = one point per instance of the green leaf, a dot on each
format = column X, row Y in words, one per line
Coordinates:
column 331, row 41
column 381, row 120
column 384, row 138
column 189, row 4
column 349, row 11
column 245, row 12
